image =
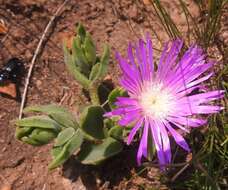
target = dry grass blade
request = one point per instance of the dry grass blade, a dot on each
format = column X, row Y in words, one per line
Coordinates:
column 165, row 19
column 36, row 54
column 188, row 15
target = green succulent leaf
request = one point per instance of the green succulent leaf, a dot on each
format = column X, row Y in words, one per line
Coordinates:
column 109, row 123
column 78, row 42
column 91, row 122
column 48, row 109
column 79, row 58
column 104, row 61
column 74, row 70
column 42, row 122
column 30, row 141
column 81, row 32
column 94, row 71
column 64, row 119
column 56, row 150
column 91, row 153
column 114, row 94
column 22, row 131
column 37, row 130
column 61, row 154
column 90, row 49
column 116, row 132
column 64, row 136
column 57, row 113
column 43, row 136
column 103, row 65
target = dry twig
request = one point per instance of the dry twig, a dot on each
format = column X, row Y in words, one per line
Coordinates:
column 36, row 54
column 179, row 172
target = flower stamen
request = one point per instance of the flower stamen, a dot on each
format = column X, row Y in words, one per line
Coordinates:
column 156, row 101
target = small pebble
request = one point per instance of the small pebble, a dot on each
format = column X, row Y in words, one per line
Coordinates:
column 38, row 83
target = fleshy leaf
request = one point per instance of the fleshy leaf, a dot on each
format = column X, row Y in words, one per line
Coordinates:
column 42, row 122
column 81, row 32
column 103, row 65
column 36, row 131
column 116, row 132
column 95, row 153
column 61, row 154
column 23, row 131
column 64, row 136
column 91, row 122
column 55, row 151
column 48, row 109
column 43, row 136
column 90, row 49
column 94, row 71
column 30, row 141
column 74, row 70
column 57, row 113
column 79, row 58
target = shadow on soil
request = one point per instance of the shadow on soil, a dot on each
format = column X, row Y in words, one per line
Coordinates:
column 110, row 172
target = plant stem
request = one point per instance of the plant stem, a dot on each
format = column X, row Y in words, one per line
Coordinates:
column 93, row 92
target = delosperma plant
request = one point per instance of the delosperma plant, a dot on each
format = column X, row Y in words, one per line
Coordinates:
column 160, row 102
column 157, row 102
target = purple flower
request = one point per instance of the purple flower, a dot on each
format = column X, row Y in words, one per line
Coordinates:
column 162, row 100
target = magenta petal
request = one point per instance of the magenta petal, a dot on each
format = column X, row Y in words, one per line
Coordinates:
column 128, row 86
column 186, row 91
column 120, row 111
column 191, row 122
column 115, row 112
column 183, row 85
column 146, row 70
column 129, row 71
column 139, row 153
column 195, row 82
column 145, row 139
column 191, row 109
column 128, row 118
column 177, row 137
column 206, row 109
column 165, row 142
column 142, row 150
column 108, row 114
column 202, row 97
column 184, row 78
column 125, row 101
column 197, row 72
column 134, row 130
column 170, row 59
column 157, row 142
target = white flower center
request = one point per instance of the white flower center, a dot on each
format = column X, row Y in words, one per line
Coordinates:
column 156, row 101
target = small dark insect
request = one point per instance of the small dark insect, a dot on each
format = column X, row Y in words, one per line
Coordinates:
column 11, row 70
column 9, row 78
